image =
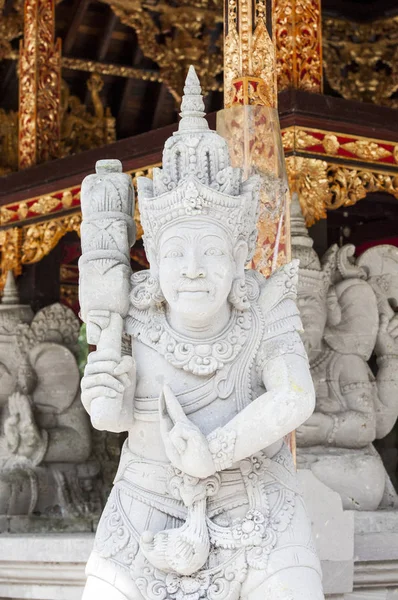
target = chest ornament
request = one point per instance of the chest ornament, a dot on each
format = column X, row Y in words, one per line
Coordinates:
column 200, row 357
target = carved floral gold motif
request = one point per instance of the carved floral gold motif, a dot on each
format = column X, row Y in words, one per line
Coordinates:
column 347, row 186
column 39, row 85
column 249, row 55
column 308, row 178
column 298, row 40
column 10, row 253
column 322, row 186
column 44, row 205
column 316, row 141
column 366, row 149
column 40, row 238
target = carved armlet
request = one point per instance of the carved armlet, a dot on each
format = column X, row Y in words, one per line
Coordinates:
column 222, row 446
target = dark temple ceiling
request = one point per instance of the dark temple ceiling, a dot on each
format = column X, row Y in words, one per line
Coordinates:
column 147, row 40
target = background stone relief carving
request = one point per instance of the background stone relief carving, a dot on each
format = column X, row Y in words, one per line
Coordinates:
column 351, row 335
column 46, row 465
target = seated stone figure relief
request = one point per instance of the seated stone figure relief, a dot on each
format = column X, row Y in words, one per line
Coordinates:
column 45, row 436
column 205, row 502
column 344, row 324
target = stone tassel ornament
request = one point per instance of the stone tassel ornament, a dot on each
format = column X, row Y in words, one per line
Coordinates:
column 107, row 234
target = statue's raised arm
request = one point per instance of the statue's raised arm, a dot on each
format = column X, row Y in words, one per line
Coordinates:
column 107, row 234
column 206, row 503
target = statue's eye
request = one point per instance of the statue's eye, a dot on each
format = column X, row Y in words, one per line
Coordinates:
column 214, row 252
column 173, row 254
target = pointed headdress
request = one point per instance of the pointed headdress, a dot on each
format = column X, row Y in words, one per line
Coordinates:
column 197, row 179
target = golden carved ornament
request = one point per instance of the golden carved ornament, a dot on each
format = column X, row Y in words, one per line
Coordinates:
column 44, row 205
column 366, row 149
column 92, row 66
column 80, row 129
column 175, row 35
column 298, row 39
column 10, row 253
column 308, row 178
column 11, row 27
column 347, row 185
column 323, row 186
column 361, row 59
column 40, row 238
column 39, row 85
column 316, row 141
column 249, row 55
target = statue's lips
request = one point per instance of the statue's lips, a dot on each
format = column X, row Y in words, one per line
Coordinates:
column 193, row 291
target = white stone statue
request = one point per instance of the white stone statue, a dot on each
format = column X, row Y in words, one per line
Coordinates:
column 205, row 502
column 347, row 308
column 45, row 435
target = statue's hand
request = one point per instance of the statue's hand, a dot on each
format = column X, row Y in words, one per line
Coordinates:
column 22, row 434
column 186, row 446
column 387, row 336
column 315, row 431
column 106, row 376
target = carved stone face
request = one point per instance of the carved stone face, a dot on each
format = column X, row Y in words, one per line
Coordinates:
column 196, row 269
column 313, row 312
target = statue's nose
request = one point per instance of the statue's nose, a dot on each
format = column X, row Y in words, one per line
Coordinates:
column 193, row 269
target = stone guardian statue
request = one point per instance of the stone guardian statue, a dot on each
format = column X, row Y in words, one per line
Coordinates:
column 205, row 502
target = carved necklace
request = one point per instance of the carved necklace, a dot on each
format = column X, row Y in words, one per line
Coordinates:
column 200, row 357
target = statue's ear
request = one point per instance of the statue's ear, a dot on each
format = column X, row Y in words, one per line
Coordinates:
column 240, row 257
column 57, row 377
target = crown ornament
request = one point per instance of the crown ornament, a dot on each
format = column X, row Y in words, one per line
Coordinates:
column 197, row 179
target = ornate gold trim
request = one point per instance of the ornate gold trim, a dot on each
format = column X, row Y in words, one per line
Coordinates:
column 249, row 55
column 39, row 85
column 298, row 39
column 54, row 202
column 334, row 144
column 323, row 186
column 40, row 238
column 10, row 248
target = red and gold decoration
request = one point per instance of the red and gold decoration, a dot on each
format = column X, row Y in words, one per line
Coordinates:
column 297, row 34
column 339, row 145
column 39, row 85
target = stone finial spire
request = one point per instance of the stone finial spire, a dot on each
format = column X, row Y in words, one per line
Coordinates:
column 192, row 106
column 298, row 227
column 10, row 292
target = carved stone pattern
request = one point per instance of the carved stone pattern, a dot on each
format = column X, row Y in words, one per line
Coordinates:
column 40, row 80
column 297, row 27
column 361, row 59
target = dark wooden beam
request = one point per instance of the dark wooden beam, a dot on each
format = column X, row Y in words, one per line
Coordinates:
column 79, row 10
column 107, row 36
column 158, row 113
